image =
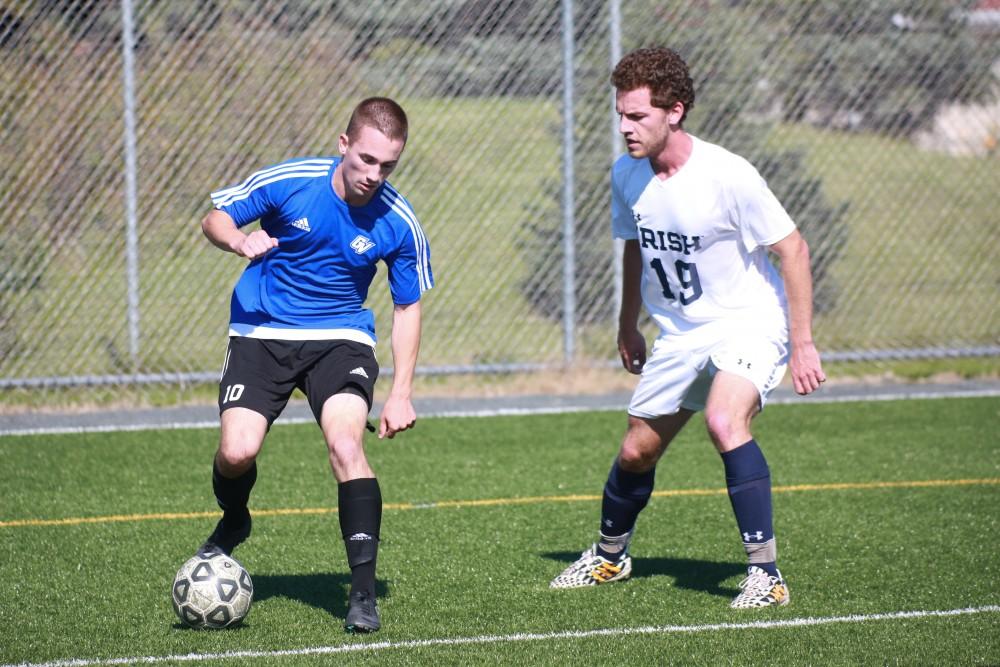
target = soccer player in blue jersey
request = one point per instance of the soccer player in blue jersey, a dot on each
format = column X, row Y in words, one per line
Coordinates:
column 698, row 223
column 298, row 321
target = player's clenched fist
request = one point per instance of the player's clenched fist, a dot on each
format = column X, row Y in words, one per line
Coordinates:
column 256, row 244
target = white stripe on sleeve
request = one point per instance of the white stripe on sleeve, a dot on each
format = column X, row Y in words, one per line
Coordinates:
column 399, row 205
column 315, row 166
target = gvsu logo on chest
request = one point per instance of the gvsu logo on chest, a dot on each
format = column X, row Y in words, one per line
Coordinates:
column 362, row 244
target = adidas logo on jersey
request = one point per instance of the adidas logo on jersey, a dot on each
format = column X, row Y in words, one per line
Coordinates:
column 359, row 371
column 362, row 244
column 302, row 223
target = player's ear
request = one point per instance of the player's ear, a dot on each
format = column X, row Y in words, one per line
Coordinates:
column 675, row 113
column 343, row 142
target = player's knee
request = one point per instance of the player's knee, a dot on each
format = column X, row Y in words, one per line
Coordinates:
column 239, row 444
column 344, row 442
column 720, row 425
column 237, row 452
column 345, row 449
column 641, row 447
column 234, row 460
column 633, row 457
column 726, row 430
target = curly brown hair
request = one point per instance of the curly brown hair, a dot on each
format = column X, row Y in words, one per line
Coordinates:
column 660, row 69
column 381, row 113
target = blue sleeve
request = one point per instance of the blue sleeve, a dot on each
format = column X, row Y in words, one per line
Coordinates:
column 262, row 192
column 622, row 223
column 410, row 266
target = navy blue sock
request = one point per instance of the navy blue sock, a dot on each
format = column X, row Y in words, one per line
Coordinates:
column 748, row 480
column 625, row 495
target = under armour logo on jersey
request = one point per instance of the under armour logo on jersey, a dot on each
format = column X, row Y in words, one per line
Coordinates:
column 302, row 223
column 359, row 371
column 748, row 537
column 362, row 244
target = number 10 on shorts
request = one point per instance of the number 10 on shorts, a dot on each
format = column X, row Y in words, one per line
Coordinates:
column 233, row 393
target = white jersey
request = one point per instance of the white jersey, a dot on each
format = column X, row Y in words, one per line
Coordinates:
column 703, row 234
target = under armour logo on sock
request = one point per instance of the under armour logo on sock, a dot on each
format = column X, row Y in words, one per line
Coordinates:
column 749, row 537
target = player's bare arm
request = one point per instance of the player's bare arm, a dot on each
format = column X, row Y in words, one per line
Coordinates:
column 398, row 413
column 804, row 364
column 631, row 342
column 222, row 231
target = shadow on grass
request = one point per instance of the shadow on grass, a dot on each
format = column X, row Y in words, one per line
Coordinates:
column 187, row 628
column 324, row 591
column 696, row 575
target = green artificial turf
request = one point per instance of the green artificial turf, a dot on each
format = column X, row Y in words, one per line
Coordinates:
column 880, row 508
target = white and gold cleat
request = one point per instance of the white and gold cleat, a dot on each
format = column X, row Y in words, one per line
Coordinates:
column 591, row 569
column 760, row 589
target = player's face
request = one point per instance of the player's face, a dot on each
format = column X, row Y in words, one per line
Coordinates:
column 644, row 127
column 368, row 159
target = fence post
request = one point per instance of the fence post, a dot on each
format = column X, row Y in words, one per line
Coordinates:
column 569, row 249
column 615, row 51
column 131, row 234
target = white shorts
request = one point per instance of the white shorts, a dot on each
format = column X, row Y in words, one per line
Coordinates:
column 679, row 371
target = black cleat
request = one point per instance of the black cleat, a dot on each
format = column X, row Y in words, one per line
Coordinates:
column 226, row 537
column 362, row 614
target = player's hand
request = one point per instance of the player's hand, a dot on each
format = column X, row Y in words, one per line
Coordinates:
column 255, row 244
column 397, row 415
column 806, row 369
column 632, row 349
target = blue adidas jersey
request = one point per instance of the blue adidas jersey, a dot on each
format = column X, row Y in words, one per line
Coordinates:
column 315, row 283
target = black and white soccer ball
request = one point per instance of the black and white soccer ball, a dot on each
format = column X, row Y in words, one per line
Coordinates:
column 212, row 591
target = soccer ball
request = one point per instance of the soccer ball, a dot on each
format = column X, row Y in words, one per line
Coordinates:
column 212, row 591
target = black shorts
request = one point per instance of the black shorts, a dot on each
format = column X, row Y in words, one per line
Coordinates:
column 261, row 374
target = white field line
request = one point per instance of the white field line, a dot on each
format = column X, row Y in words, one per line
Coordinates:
column 498, row 412
column 114, row 428
column 517, row 637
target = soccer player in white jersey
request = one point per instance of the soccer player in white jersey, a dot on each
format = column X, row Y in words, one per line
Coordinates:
column 298, row 320
column 698, row 223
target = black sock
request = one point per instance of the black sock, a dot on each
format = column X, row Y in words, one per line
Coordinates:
column 360, row 510
column 233, row 494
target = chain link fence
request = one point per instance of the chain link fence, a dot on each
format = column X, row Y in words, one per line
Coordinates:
column 875, row 123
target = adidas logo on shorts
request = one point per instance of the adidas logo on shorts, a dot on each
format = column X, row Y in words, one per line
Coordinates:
column 359, row 371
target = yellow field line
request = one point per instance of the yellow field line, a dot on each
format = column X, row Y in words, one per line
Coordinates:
column 494, row 502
